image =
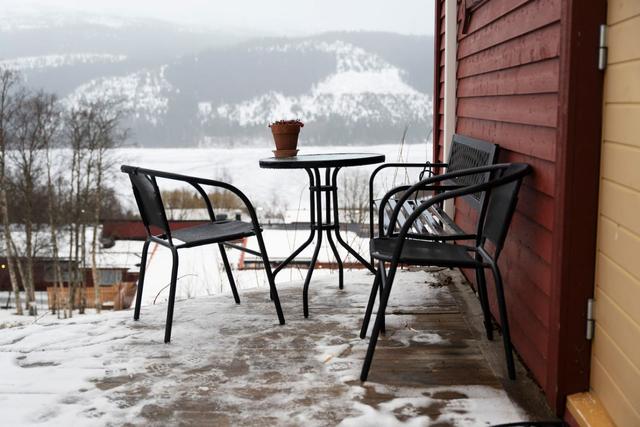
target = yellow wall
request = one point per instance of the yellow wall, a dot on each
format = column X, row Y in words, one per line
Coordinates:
column 615, row 365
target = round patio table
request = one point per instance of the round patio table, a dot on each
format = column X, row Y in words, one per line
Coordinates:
column 312, row 163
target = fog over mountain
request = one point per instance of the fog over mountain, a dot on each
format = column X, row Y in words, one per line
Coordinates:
column 202, row 88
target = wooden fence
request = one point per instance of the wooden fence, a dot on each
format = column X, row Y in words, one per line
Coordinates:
column 116, row 297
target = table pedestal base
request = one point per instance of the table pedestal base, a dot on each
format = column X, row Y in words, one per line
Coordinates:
column 329, row 227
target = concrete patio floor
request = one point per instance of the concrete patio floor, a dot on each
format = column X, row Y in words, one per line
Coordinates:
column 233, row 364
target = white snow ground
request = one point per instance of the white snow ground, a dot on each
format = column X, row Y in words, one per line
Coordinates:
column 109, row 370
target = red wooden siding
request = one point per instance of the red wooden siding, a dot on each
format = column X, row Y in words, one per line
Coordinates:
column 526, row 80
column 507, row 93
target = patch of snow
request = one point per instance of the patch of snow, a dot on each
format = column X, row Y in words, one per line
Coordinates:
column 384, row 81
column 481, row 406
column 145, row 93
column 56, row 61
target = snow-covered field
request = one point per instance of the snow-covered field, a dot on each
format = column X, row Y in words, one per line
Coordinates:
column 264, row 187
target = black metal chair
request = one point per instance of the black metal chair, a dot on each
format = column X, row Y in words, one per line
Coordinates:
column 498, row 205
column 149, row 200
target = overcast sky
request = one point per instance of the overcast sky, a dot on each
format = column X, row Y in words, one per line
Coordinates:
column 263, row 16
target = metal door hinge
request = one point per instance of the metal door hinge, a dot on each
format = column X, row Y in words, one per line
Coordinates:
column 591, row 322
column 602, row 48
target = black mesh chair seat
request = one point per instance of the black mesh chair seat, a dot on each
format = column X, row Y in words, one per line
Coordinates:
column 421, row 252
column 218, row 231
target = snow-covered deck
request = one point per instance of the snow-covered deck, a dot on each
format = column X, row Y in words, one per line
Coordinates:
column 233, row 364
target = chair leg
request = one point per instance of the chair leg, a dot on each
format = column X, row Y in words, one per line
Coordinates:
column 369, row 310
column 383, row 284
column 273, row 292
column 143, row 269
column 378, row 325
column 484, row 302
column 227, row 268
column 172, row 295
column 504, row 322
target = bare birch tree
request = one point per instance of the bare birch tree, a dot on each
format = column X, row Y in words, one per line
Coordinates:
column 36, row 124
column 76, row 134
column 51, row 138
column 8, row 82
column 107, row 135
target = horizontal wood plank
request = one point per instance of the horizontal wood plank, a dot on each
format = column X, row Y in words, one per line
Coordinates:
column 622, row 84
column 524, row 261
column 618, row 41
column 619, row 244
column 619, row 285
column 620, row 328
column 543, row 177
column 532, row 236
column 530, row 17
column 536, row 206
column 537, row 77
column 539, row 110
column 620, row 10
column 620, row 164
column 492, row 11
column 533, row 300
column 533, row 141
column 618, row 366
column 536, row 46
column 621, row 205
column 618, row 406
column 621, row 124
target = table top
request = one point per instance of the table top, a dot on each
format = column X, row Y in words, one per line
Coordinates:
column 328, row 160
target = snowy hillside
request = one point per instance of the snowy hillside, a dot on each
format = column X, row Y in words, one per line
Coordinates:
column 363, row 87
column 144, row 93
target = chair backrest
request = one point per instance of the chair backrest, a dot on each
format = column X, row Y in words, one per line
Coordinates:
column 500, row 204
column 149, row 200
column 467, row 153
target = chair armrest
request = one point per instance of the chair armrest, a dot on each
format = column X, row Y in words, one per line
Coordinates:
column 452, row 194
column 445, row 195
column 425, row 165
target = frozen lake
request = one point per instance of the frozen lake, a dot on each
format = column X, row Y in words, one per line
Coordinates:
column 284, row 188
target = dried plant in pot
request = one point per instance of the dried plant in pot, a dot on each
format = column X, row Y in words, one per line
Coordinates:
column 285, row 134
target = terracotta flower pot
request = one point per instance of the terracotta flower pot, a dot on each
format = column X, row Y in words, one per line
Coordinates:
column 285, row 135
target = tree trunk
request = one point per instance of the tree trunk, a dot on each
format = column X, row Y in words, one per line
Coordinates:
column 94, row 237
column 20, row 270
column 53, row 230
column 73, row 220
column 8, row 79
column 28, row 253
column 8, row 243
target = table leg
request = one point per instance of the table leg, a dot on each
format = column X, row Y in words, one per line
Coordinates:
column 336, row 224
column 316, row 223
column 312, row 233
column 318, row 193
column 328, row 221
